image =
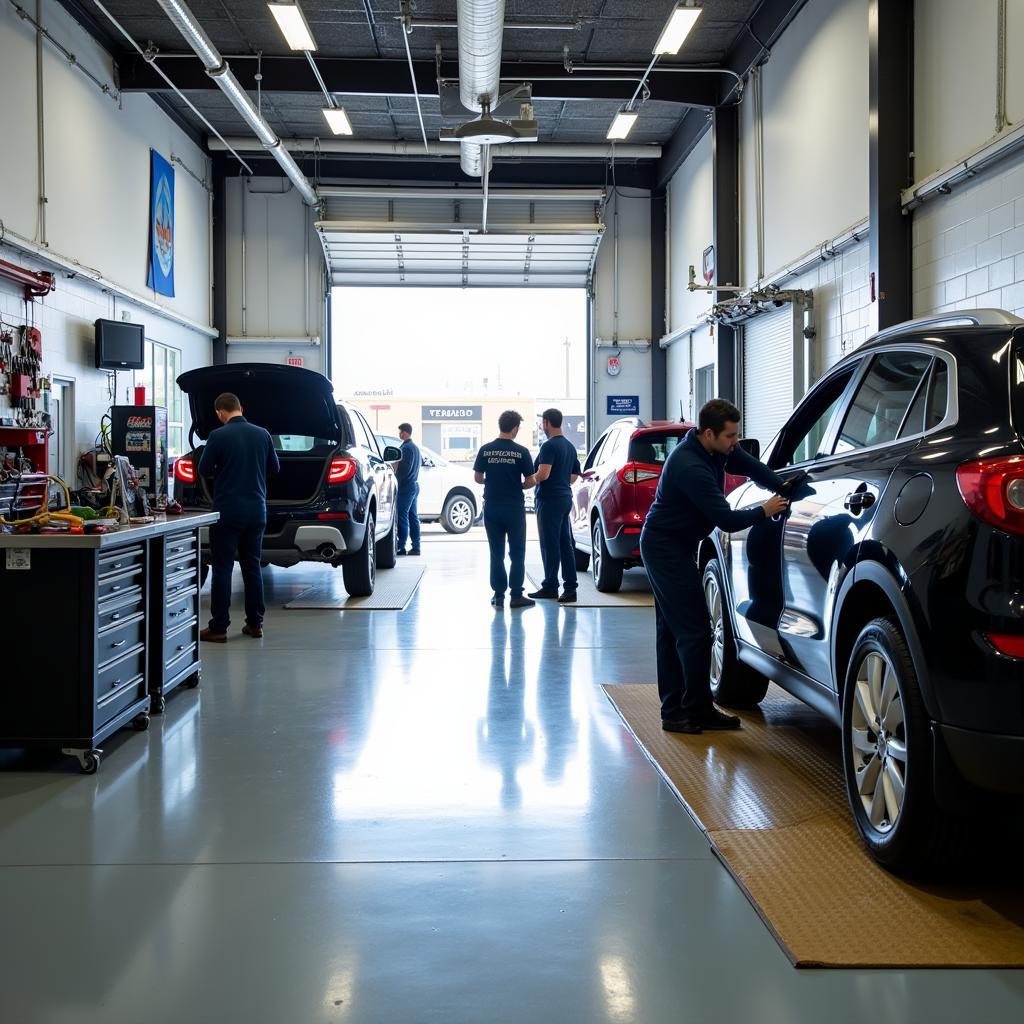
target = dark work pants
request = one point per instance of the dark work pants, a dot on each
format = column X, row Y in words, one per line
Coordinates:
column 408, row 516
column 227, row 540
column 506, row 523
column 556, row 547
column 683, row 626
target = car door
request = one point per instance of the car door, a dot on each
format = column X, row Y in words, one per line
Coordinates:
column 584, row 489
column 383, row 480
column 433, row 489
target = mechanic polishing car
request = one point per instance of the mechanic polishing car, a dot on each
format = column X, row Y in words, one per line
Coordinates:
column 689, row 504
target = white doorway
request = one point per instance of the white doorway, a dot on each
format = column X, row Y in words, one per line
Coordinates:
column 62, row 461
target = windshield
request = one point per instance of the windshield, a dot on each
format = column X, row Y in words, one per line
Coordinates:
column 299, row 442
column 653, row 449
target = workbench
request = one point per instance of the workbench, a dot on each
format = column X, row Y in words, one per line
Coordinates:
column 96, row 630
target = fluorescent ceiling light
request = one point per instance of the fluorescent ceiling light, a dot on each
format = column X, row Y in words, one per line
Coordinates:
column 338, row 120
column 293, row 25
column 676, row 29
column 622, row 125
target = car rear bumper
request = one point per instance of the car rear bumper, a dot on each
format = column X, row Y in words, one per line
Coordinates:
column 296, row 542
column 986, row 760
column 625, row 546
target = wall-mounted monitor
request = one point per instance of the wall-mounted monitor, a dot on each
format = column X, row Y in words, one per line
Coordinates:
column 120, row 345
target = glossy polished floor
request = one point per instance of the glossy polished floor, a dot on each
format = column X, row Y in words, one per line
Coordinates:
column 426, row 816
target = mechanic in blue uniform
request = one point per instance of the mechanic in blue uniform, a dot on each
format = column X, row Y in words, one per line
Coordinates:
column 408, row 472
column 558, row 467
column 506, row 470
column 688, row 505
column 238, row 456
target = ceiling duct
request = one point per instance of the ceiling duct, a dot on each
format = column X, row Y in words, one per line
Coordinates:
column 217, row 68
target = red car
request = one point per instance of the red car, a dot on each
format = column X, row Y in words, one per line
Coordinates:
column 611, row 498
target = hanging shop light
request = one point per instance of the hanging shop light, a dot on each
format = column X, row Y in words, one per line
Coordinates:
column 293, row 25
column 677, row 28
column 622, row 125
column 338, row 120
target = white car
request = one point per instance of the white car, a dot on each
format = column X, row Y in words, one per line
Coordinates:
column 448, row 493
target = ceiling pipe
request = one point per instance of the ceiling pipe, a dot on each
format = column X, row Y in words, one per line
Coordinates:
column 218, row 69
column 481, row 23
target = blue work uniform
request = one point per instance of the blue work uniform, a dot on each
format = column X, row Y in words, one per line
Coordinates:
column 554, row 504
column 505, row 465
column 238, row 456
column 408, row 473
column 689, row 504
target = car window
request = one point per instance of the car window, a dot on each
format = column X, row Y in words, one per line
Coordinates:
column 614, row 448
column 803, row 436
column 595, row 453
column 653, row 449
column 298, row 442
column 882, row 400
column 938, row 395
column 371, row 440
column 362, row 432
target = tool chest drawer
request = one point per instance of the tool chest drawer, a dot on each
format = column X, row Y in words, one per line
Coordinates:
column 181, row 609
column 120, row 583
column 114, row 641
column 120, row 608
column 177, row 585
column 179, row 643
column 118, row 673
column 114, row 563
column 179, row 544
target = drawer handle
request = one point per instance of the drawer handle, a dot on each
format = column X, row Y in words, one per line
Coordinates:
column 181, row 647
column 120, row 643
column 116, row 682
column 114, row 590
column 115, row 616
column 117, row 565
column 174, row 551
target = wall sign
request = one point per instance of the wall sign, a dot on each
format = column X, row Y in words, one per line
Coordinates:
column 623, row 405
column 294, row 361
column 447, row 413
column 614, row 366
column 161, row 225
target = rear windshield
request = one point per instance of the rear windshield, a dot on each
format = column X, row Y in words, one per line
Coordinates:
column 653, row 449
column 299, row 442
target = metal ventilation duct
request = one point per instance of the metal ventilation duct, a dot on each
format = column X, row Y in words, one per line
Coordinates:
column 217, row 68
column 481, row 23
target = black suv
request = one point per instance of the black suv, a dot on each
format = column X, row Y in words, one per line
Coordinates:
column 334, row 499
column 891, row 595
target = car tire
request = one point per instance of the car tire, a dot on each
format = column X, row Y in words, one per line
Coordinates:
column 582, row 560
column 733, row 683
column 888, row 759
column 458, row 513
column 607, row 570
column 387, row 549
column 359, row 569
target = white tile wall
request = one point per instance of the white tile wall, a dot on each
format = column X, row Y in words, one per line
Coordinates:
column 969, row 246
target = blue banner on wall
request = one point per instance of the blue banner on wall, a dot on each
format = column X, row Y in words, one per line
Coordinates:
column 623, row 405
column 161, row 225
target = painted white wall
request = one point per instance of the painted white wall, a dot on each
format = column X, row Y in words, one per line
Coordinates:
column 634, row 304
column 277, row 244
column 691, row 226
column 815, row 135
column 97, row 171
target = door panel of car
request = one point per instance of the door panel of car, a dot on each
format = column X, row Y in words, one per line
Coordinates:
column 383, row 481
column 585, row 489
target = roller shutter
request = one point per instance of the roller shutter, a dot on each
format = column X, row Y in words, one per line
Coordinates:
column 767, row 374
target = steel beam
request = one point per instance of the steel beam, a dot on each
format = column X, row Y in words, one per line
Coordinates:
column 890, row 163
column 220, row 256
column 659, row 272
column 725, row 142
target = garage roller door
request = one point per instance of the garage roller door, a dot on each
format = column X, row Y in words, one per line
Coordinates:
column 767, row 373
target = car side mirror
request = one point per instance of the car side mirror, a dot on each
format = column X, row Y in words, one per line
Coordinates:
column 751, row 446
column 392, row 454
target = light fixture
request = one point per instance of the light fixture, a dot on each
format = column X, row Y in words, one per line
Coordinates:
column 622, row 125
column 338, row 120
column 293, row 25
column 677, row 28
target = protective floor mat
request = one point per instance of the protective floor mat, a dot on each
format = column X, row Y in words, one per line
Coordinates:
column 771, row 800
column 392, row 591
column 635, row 592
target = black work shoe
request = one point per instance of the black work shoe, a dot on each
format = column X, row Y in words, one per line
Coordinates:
column 498, row 602
column 401, row 551
column 567, row 597
column 521, row 602
column 415, row 552
column 716, row 719
column 687, row 725
column 542, row 594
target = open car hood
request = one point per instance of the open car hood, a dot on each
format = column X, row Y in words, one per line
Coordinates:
column 282, row 399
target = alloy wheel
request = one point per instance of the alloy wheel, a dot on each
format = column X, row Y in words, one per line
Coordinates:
column 713, row 597
column 460, row 512
column 596, row 557
column 371, row 549
column 878, row 741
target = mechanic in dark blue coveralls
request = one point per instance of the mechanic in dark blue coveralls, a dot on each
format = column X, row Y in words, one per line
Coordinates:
column 506, row 470
column 688, row 505
column 558, row 467
column 238, row 456
column 408, row 472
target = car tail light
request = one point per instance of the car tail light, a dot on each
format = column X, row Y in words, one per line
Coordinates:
column 185, row 470
column 332, row 515
column 993, row 489
column 1010, row 644
column 632, row 529
column 341, row 470
column 638, row 472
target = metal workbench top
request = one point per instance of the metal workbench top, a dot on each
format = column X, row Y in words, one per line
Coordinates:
column 125, row 535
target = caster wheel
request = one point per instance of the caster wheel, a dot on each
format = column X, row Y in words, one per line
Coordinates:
column 193, row 681
column 90, row 762
column 140, row 723
column 157, row 705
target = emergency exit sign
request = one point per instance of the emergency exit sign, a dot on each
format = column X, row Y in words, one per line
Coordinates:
column 294, row 360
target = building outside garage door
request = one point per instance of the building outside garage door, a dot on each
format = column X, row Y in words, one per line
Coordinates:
column 768, row 373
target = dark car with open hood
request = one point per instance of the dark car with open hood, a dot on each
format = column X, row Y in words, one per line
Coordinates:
column 334, row 499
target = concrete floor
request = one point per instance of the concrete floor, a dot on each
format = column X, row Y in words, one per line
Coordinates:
column 427, row 816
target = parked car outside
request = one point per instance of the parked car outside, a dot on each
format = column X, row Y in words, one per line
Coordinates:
column 612, row 497
column 889, row 596
column 449, row 494
column 334, row 499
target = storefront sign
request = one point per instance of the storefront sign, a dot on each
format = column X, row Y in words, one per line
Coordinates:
column 448, row 413
column 623, row 405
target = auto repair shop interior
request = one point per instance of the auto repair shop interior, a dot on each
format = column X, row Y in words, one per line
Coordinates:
column 400, row 802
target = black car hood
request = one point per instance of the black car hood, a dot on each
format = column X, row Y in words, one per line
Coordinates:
column 282, row 399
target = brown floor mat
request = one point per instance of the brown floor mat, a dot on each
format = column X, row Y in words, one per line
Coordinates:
column 771, row 799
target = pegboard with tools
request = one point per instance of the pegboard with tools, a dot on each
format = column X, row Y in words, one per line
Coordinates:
column 23, row 387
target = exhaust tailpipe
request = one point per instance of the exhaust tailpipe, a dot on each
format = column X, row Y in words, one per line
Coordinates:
column 327, row 552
